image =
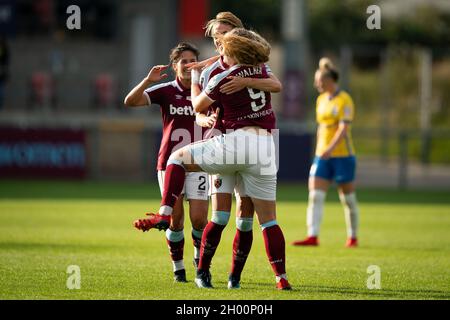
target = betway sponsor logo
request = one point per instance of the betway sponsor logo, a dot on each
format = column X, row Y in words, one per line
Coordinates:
column 182, row 111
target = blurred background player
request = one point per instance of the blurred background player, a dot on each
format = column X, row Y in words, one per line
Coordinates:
column 174, row 98
column 222, row 186
column 335, row 155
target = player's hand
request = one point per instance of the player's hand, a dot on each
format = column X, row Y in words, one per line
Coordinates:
column 206, row 122
column 236, row 84
column 155, row 74
column 325, row 155
column 194, row 65
column 209, row 121
column 202, row 64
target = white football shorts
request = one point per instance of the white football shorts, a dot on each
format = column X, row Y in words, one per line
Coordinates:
column 244, row 152
column 227, row 183
column 196, row 185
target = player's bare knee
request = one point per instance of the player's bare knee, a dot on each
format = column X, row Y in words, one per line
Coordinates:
column 264, row 217
column 199, row 223
column 221, row 202
column 185, row 155
column 177, row 156
column 245, row 208
column 176, row 224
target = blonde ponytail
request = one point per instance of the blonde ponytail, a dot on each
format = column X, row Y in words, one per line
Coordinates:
column 327, row 68
column 326, row 64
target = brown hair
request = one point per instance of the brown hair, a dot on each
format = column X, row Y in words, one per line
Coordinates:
column 223, row 17
column 245, row 46
column 327, row 69
column 176, row 52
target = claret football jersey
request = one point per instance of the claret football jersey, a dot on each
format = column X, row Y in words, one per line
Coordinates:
column 178, row 118
column 210, row 72
column 247, row 107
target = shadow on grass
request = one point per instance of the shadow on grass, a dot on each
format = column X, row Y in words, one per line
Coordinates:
column 57, row 189
column 382, row 293
column 74, row 247
column 358, row 293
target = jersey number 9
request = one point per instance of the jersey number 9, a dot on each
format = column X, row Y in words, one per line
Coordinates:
column 257, row 95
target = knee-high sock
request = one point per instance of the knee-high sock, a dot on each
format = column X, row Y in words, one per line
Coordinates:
column 275, row 247
column 175, row 241
column 197, row 241
column 241, row 245
column 351, row 213
column 314, row 212
column 173, row 185
column 211, row 238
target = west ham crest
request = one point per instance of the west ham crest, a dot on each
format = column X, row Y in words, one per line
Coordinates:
column 217, row 183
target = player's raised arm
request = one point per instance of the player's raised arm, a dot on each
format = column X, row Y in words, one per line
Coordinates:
column 200, row 101
column 202, row 64
column 136, row 97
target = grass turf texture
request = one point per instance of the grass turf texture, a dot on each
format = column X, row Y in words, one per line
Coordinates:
column 47, row 226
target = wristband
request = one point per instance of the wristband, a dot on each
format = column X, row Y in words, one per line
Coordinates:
column 195, row 76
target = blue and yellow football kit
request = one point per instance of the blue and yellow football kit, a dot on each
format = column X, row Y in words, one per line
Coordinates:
column 330, row 111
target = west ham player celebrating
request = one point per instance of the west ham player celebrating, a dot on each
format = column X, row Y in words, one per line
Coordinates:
column 178, row 118
column 222, row 186
column 335, row 155
column 248, row 150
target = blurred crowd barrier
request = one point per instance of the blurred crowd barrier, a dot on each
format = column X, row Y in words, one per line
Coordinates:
column 114, row 148
column 402, row 159
column 126, row 149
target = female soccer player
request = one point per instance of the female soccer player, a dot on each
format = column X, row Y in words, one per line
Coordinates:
column 222, row 186
column 335, row 155
column 178, row 117
column 248, row 149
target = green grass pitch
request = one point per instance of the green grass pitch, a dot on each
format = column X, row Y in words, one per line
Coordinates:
column 47, row 226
